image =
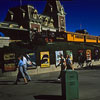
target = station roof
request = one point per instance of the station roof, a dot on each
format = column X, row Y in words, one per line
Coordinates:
column 11, row 26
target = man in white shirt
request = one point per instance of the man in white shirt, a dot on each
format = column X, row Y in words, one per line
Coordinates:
column 25, row 68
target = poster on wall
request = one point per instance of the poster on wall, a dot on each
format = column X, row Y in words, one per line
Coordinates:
column 31, row 60
column 9, row 62
column 58, row 54
column 88, row 55
column 9, row 56
column 96, row 54
column 80, row 55
column 80, row 52
column 69, row 52
column 81, row 58
column 45, row 59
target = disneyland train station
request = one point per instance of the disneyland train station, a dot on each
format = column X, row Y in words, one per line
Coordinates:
column 42, row 38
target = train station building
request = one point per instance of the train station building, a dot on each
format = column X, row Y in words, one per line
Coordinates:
column 24, row 22
column 41, row 37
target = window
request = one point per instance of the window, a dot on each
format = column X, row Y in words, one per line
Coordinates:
column 62, row 22
column 12, row 17
column 23, row 15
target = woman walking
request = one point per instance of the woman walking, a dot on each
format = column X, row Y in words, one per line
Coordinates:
column 69, row 62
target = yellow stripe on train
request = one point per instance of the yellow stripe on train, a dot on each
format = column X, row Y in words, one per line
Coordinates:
column 91, row 38
column 79, row 37
column 75, row 37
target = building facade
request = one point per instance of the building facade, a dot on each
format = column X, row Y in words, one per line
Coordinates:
column 24, row 22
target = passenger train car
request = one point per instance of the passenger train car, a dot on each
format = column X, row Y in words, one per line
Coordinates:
column 76, row 37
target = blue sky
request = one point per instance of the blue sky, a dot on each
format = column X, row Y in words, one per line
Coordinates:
column 84, row 12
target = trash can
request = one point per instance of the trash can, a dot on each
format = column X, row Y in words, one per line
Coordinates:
column 69, row 83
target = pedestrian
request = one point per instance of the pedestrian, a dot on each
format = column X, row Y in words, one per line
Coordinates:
column 69, row 63
column 25, row 68
column 62, row 63
column 80, row 61
column 20, row 71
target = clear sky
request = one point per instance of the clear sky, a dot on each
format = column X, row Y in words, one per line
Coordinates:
column 79, row 12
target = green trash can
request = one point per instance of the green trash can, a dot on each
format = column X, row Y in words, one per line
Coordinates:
column 69, row 83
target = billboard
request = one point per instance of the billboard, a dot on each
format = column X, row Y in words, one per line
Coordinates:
column 81, row 55
column 31, row 60
column 9, row 56
column 96, row 54
column 81, row 58
column 88, row 55
column 69, row 52
column 57, row 54
column 45, row 59
column 9, row 62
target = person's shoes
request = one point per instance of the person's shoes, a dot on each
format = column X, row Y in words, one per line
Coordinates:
column 29, row 80
column 18, row 80
column 58, row 79
column 15, row 83
column 26, row 83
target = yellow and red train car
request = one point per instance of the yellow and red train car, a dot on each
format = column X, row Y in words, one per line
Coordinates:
column 98, row 39
column 75, row 37
column 90, row 39
column 80, row 37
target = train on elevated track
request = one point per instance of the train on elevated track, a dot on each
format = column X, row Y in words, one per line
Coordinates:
column 76, row 37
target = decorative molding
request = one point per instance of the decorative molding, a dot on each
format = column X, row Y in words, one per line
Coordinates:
column 11, row 25
column 21, row 27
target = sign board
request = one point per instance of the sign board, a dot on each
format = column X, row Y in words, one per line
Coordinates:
column 31, row 60
column 69, row 52
column 45, row 59
column 96, row 54
column 88, row 55
column 58, row 54
column 9, row 62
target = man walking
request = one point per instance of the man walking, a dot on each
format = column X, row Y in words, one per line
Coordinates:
column 62, row 63
column 20, row 71
column 25, row 68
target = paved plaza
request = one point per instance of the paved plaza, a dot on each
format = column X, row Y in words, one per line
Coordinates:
column 47, row 87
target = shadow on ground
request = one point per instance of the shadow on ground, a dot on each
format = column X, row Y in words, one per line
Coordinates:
column 11, row 83
column 48, row 81
column 48, row 97
column 89, row 67
column 6, row 82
